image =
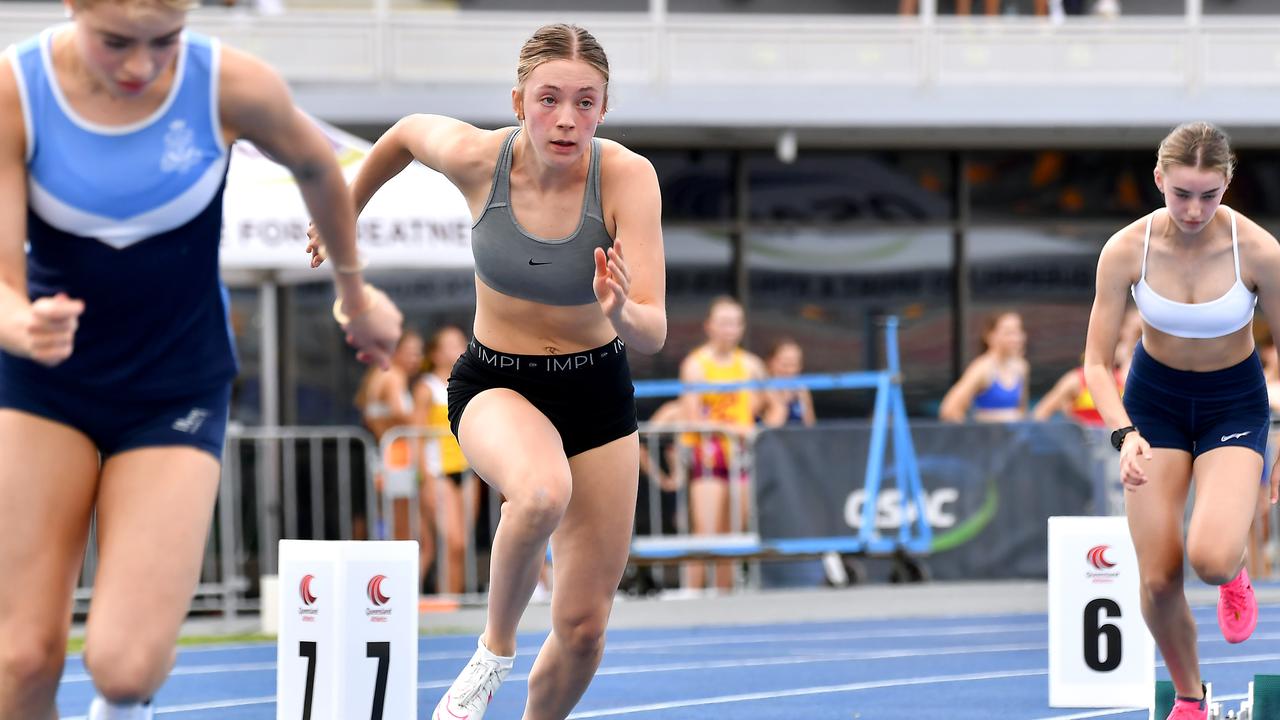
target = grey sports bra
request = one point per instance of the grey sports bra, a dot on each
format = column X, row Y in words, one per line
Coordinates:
column 518, row 263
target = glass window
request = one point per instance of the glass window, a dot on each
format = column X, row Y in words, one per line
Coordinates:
column 1039, row 184
column 696, row 184
column 829, row 186
column 1047, row 275
column 1253, row 190
column 827, row 290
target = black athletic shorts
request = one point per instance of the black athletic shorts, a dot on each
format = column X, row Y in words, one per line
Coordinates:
column 587, row 396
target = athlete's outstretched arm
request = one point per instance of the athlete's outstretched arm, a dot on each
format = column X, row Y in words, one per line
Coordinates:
column 441, row 143
column 45, row 329
column 1116, row 266
column 256, row 105
column 448, row 146
column 631, row 286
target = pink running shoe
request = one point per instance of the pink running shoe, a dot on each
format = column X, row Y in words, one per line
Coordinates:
column 1184, row 709
column 1237, row 609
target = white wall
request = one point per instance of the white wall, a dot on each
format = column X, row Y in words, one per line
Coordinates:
column 750, row 71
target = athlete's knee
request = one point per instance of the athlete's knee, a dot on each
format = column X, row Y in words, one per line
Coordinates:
column 541, row 501
column 128, row 672
column 1215, row 565
column 1160, row 585
column 31, row 664
column 582, row 633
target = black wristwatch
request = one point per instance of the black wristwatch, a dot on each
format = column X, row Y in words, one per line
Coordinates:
column 1117, row 436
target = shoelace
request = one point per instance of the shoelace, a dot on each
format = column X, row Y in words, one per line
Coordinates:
column 1235, row 597
column 479, row 676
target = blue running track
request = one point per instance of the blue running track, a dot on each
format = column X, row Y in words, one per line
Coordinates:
column 971, row 668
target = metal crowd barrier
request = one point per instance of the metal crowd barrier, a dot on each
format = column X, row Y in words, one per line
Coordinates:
column 285, row 482
column 667, row 448
column 673, row 457
column 402, row 483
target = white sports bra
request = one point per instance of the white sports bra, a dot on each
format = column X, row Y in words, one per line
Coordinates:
column 1215, row 318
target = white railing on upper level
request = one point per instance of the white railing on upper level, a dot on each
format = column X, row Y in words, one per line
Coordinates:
column 750, row 70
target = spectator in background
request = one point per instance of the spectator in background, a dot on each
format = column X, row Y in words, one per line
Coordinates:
column 670, row 412
column 384, row 401
column 994, row 385
column 444, row 466
column 733, row 413
column 1071, row 396
column 786, row 407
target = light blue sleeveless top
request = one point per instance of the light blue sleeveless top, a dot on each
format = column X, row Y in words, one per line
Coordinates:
column 129, row 219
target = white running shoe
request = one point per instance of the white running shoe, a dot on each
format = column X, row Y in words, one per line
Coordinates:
column 468, row 697
column 100, row 709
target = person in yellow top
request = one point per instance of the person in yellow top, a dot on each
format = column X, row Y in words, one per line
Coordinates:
column 1071, row 396
column 444, row 466
column 719, row 359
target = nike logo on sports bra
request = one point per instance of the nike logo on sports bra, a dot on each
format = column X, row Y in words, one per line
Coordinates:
column 531, row 262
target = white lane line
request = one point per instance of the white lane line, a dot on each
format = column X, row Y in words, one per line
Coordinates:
column 776, row 661
column 853, row 687
column 612, row 649
column 800, row 692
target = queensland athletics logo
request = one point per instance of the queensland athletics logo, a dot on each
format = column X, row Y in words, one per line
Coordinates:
column 373, row 589
column 304, row 589
column 309, row 598
column 1098, row 557
column 1101, row 567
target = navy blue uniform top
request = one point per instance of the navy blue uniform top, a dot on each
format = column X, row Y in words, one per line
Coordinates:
column 129, row 219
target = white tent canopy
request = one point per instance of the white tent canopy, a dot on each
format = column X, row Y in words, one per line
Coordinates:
column 418, row 220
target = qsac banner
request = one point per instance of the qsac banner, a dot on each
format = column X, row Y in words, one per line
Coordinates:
column 989, row 490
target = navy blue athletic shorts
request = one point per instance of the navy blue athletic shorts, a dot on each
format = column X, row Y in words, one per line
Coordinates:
column 587, row 396
column 116, row 422
column 1198, row 411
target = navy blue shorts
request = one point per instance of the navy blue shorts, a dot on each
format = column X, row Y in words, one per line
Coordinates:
column 587, row 396
column 116, row 423
column 1198, row 411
